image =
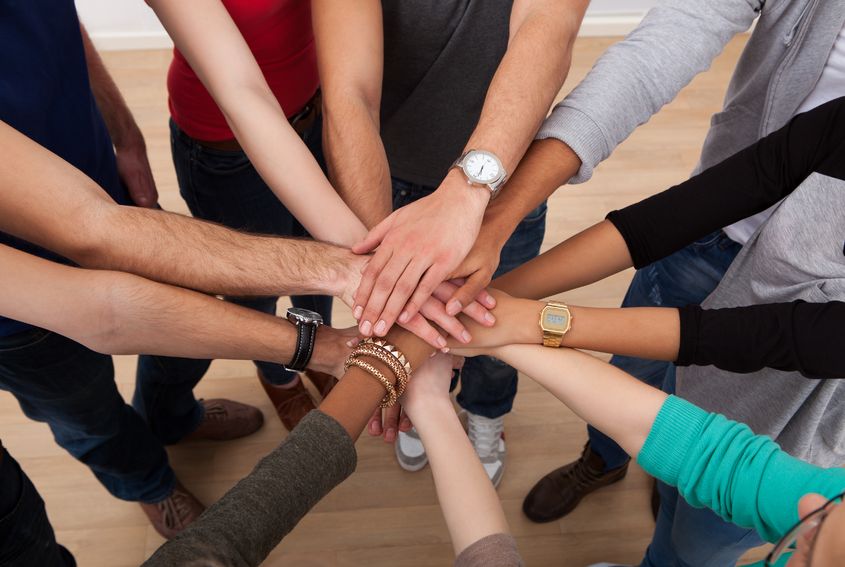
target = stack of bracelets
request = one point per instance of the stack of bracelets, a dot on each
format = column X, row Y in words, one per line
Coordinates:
column 392, row 357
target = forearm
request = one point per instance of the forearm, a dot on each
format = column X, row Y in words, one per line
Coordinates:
column 353, row 400
column 212, row 44
column 607, row 398
column 121, row 125
column 118, row 313
column 587, row 257
column 356, row 158
column 468, row 500
column 546, row 166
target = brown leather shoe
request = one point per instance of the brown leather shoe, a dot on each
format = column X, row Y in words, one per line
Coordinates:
column 226, row 419
column 322, row 381
column 174, row 513
column 292, row 404
column 559, row 492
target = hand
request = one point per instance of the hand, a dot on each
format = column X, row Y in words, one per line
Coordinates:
column 477, row 268
column 331, row 349
column 419, row 246
column 433, row 309
column 429, row 385
column 134, row 170
column 517, row 323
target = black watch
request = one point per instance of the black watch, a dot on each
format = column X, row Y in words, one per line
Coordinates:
column 306, row 334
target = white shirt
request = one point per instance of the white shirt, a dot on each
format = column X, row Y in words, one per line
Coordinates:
column 831, row 85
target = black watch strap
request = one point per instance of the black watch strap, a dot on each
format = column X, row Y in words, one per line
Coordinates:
column 306, row 335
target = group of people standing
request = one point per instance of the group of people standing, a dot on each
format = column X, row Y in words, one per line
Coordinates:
column 384, row 130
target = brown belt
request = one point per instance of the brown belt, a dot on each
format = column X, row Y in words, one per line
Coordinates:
column 301, row 122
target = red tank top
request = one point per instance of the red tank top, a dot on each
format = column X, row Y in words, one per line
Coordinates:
column 280, row 36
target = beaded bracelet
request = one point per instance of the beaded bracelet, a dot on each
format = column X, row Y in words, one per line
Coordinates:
column 390, row 396
column 392, row 350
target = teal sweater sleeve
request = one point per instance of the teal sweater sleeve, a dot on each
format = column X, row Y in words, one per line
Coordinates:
column 720, row 464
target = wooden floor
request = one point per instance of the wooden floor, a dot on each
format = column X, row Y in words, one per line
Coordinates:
column 383, row 515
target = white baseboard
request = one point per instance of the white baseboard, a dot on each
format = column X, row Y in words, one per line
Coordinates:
column 594, row 26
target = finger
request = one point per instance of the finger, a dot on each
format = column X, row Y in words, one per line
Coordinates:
column 399, row 297
column 405, row 424
column 368, row 280
column 370, row 320
column 474, row 310
column 374, row 238
column 374, row 427
column 435, row 311
column 423, row 329
column 391, row 423
column 467, row 293
column 426, row 286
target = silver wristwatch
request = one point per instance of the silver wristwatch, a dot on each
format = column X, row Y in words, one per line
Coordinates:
column 306, row 322
column 483, row 168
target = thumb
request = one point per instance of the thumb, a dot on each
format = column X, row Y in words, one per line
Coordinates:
column 374, row 238
column 468, row 292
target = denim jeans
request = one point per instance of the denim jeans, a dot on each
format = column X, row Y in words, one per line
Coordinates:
column 224, row 187
column 26, row 536
column 684, row 535
column 71, row 388
column 488, row 386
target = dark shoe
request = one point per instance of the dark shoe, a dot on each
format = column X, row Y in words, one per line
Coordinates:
column 225, row 420
column 292, row 404
column 322, row 381
column 175, row 513
column 560, row 491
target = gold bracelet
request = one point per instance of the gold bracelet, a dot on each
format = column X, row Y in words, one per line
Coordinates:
column 394, row 352
column 391, row 362
column 390, row 396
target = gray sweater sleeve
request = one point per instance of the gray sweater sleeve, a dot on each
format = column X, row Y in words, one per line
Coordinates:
column 497, row 550
column 636, row 77
column 244, row 526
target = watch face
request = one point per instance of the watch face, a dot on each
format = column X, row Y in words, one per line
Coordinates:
column 482, row 167
column 555, row 320
column 300, row 315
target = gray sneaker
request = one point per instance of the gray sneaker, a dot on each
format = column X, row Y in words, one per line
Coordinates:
column 488, row 438
column 410, row 451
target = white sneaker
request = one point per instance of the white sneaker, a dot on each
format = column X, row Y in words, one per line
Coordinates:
column 488, row 439
column 410, row 451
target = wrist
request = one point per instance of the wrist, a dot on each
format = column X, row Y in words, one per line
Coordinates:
column 460, row 192
column 330, row 352
column 527, row 329
column 427, row 409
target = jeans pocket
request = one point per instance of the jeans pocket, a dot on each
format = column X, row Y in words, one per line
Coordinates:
column 23, row 340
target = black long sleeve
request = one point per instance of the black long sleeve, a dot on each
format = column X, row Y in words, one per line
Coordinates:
column 798, row 336
column 746, row 183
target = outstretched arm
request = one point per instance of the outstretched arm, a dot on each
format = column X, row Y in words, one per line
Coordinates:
column 409, row 264
column 205, row 34
column 468, row 500
column 796, row 336
column 766, row 171
column 118, row 313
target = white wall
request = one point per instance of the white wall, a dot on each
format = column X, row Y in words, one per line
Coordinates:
column 130, row 24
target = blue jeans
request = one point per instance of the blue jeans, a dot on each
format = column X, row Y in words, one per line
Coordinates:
column 488, row 386
column 71, row 388
column 224, row 187
column 26, row 536
column 684, row 535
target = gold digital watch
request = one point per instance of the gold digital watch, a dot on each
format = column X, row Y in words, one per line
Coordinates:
column 555, row 321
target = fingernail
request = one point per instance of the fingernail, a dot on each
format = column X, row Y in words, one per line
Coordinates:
column 489, row 318
column 490, row 301
column 373, row 430
column 381, row 327
column 441, row 342
column 390, row 436
column 366, row 328
column 454, row 307
column 466, row 337
column 350, row 343
column 444, row 350
column 358, row 311
column 403, row 318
